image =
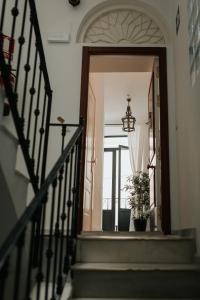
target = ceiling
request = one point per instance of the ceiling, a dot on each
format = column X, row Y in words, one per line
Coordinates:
column 116, row 88
column 122, row 76
column 120, row 63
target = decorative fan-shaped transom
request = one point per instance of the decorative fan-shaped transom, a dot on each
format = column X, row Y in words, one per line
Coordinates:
column 124, row 26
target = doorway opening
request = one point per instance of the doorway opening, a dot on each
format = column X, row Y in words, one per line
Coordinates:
column 111, row 155
column 116, row 169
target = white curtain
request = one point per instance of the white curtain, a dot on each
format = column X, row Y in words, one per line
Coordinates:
column 138, row 143
column 138, row 148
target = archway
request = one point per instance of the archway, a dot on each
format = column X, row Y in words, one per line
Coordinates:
column 120, row 24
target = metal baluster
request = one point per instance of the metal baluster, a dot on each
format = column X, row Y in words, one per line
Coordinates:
column 3, row 277
column 32, row 93
column 20, row 245
column 57, row 229
column 41, row 131
column 15, row 13
column 64, row 130
column 21, row 41
column 40, row 275
column 73, row 229
column 41, row 135
column 27, row 69
column 46, row 136
column 49, row 252
column 2, row 15
column 63, row 219
column 75, row 216
column 57, row 232
column 72, row 241
column 69, row 204
column 36, row 112
column 30, row 260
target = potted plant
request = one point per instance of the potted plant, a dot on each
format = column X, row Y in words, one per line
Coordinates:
column 139, row 199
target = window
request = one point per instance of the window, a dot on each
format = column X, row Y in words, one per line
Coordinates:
column 194, row 38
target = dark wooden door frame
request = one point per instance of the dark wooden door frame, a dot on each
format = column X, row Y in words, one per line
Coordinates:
column 160, row 52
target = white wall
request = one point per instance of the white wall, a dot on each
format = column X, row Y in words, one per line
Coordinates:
column 64, row 60
column 187, row 127
column 64, row 65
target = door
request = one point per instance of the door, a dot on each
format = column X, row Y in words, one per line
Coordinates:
column 109, row 190
column 152, row 154
column 89, row 164
column 116, row 211
column 123, row 172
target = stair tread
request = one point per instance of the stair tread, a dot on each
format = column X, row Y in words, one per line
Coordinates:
column 134, row 267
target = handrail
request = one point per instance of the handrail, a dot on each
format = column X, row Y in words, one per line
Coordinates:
column 21, row 224
column 63, row 124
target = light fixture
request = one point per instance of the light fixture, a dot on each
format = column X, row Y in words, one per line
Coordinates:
column 128, row 122
column 74, row 2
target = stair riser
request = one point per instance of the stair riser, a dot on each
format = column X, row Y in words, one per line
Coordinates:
column 137, row 284
column 135, row 251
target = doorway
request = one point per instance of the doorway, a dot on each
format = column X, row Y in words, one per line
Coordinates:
column 160, row 53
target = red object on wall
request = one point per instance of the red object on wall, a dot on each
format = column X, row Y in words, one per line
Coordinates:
column 8, row 46
column 8, row 50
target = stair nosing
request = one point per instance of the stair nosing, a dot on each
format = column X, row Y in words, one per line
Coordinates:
column 139, row 238
column 135, row 267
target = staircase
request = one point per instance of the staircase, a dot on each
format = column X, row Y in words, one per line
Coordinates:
column 13, row 183
column 135, row 266
column 38, row 242
column 38, row 237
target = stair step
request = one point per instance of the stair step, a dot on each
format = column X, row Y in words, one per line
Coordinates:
column 117, row 280
column 135, row 249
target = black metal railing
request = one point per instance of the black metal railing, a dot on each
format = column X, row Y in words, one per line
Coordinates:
column 41, row 247
column 24, row 74
column 58, row 201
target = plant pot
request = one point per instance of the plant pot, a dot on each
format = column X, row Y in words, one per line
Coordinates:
column 140, row 224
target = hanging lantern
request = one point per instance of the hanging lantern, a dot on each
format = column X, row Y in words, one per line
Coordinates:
column 128, row 122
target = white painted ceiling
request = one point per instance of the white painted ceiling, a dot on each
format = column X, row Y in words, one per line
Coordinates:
column 116, row 88
column 123, row 75
column 120, row 63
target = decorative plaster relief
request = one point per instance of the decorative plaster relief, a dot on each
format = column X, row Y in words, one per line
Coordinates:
column 127, row 26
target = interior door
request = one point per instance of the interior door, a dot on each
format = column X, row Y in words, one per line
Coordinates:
column 89, row 163
column 154, row 149
column 124, row 170
column 116, row 211
column 109, row 190
column 157, row 159
column 152, row 153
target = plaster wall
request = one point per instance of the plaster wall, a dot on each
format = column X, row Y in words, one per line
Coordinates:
column 187, row 127
column 64, row 63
